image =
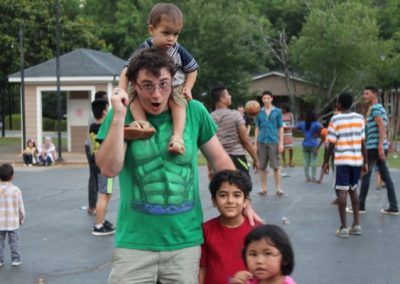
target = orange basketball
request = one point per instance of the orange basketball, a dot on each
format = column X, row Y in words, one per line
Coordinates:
column 252, row 107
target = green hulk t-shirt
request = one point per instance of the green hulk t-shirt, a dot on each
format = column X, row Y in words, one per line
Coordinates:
column 159, row 206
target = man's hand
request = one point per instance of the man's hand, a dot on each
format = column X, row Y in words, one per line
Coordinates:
column 187, row 93
column 381, row 153
column 364, row 169
column 256, row 165
column 119, row 101
column 280, row 148
column 252, row 216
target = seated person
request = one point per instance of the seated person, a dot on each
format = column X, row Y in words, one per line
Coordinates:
column 29, row 154
column 47, row 152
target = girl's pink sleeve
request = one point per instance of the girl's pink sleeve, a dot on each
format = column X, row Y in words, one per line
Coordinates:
column 288, row 280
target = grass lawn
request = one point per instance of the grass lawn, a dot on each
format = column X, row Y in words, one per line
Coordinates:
column 6, row 141
column 394, row 158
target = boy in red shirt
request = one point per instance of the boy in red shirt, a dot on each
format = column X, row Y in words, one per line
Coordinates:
column 224, row 235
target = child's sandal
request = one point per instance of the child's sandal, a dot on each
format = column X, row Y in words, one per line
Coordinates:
column 139, row 129
column 176, row 145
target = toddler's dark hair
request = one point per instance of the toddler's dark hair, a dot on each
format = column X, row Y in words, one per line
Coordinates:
column 168, row 10
column 6, row 172
column 275, row 236
column 233, row 177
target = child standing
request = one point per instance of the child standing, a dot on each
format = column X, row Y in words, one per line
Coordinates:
column 102, row 227
column 165, row 22
column 12, row 214
column 346, row 137
column 224, row 235
column 310, row 128
column 269, row 257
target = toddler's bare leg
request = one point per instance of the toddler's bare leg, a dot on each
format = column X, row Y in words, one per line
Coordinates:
column 176, row 144
column 140, row 128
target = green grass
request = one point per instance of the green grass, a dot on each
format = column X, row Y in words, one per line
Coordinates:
column 393, row 159
column 5, row 141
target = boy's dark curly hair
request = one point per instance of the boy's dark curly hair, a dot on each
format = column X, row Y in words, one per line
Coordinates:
column 233, row 177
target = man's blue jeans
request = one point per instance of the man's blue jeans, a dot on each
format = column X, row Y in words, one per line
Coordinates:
column 373, row 159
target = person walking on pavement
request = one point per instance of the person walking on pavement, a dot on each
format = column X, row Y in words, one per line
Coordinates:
column 102, row 227
column 347, row 138
column 232, row 132
column 269, row 141
column 310, row 128
column 377, row 147
column 89, row 149
column 288, row 124
column 12, row 214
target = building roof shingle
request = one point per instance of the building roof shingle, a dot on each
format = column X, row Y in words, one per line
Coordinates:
column 80, row 62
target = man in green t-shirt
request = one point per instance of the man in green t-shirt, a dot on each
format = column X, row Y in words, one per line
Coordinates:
column 158, row 231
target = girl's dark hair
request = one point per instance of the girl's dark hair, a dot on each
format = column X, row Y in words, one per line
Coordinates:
column 233, row 177
column 30, row 140
column 6, row 172
column 276, row 237
column 310, row 118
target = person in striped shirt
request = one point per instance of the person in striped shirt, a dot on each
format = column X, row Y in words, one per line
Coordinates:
column 377, row 148
column 232, row 131
column 346, row 135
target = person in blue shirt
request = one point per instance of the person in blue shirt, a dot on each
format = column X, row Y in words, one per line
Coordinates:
column 269, row 141
column 310, row 129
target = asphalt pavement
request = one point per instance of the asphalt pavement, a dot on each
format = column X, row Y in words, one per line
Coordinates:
column 57, row 245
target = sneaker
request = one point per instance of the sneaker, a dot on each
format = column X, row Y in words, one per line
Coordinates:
column 355, row 230
column 390, row 211
column 1, row 263
column 342, row 232
column 16, row 262
column 91, row 211
column 350, row 210
column 103, row 231
column 108, row 225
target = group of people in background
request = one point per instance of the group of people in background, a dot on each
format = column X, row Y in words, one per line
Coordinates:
column 44, row 155
column 354, row 147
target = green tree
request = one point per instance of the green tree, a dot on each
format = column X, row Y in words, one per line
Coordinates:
column 220, row 35
column 36, row 18
column 337, row 48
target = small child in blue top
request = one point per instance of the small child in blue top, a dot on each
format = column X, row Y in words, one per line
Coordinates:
column 310, row 129
column 165, row 22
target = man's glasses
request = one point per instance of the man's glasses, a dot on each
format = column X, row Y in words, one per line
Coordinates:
column 149, row 88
